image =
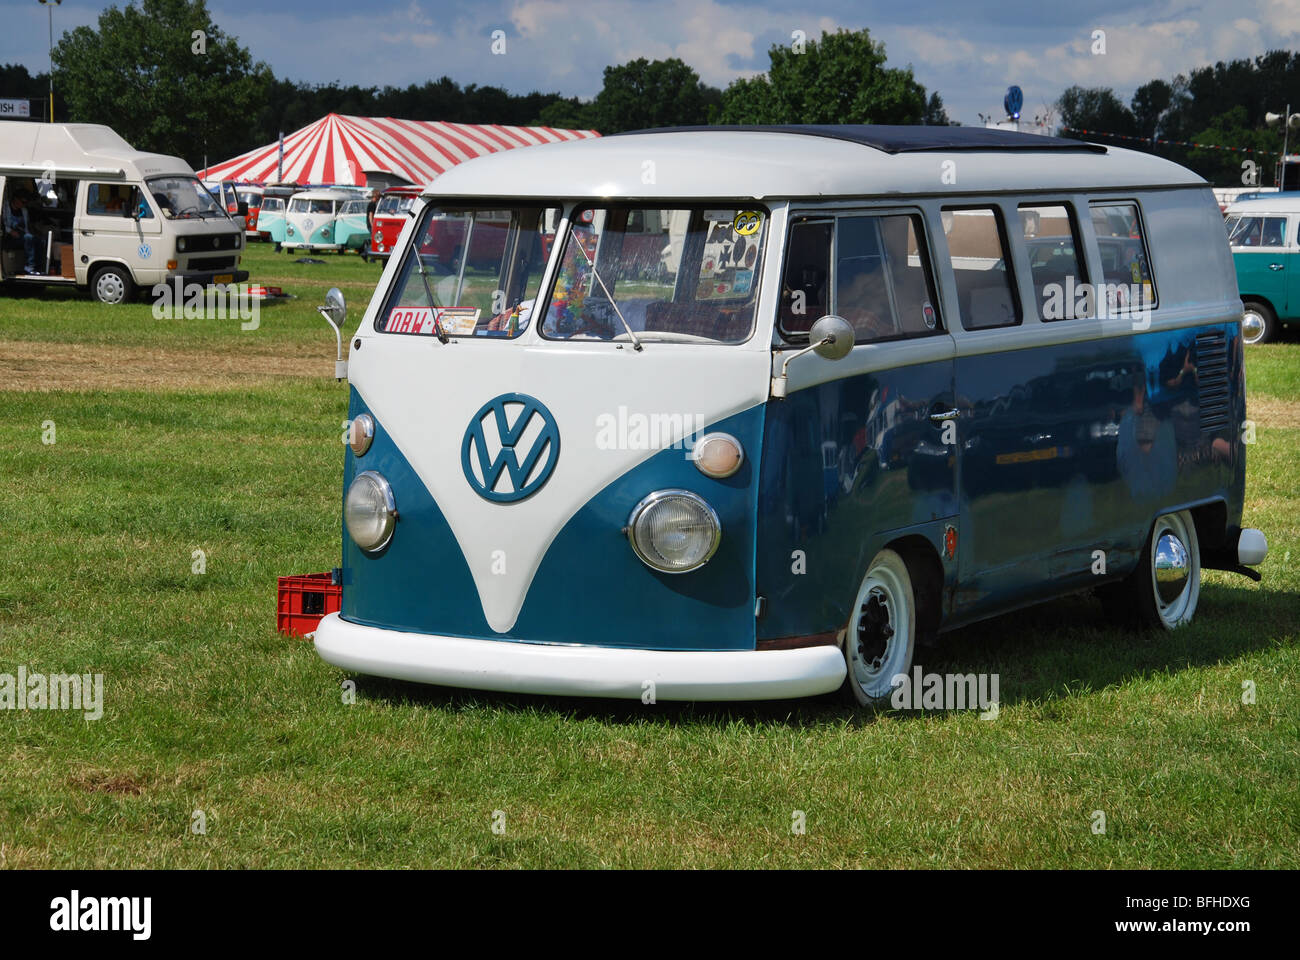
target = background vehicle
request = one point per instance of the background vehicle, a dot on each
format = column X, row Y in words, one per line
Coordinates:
column 110, row 217
column 351, row 230
column 391, row 214
column 1264, row 236
column 311, row 219
column 250, row 201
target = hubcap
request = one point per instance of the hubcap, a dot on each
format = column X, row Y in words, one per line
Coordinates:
column 1252, row 326
column 1173, row 567
column 109, row 288
column 875, row 630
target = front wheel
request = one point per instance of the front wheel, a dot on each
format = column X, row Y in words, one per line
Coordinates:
column 113, row 284
column 881, row 635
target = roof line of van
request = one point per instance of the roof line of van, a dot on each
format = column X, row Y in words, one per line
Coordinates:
column 899, row 138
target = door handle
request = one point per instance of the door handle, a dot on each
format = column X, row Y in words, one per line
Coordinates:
column 946, row 415
column 1275, row 266
column 87, row 233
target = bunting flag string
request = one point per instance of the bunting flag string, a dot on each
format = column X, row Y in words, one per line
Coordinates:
column 1170, row 143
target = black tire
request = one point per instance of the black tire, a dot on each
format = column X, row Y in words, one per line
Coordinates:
column 1258, row 316
column 112, row 283
column 880, row 638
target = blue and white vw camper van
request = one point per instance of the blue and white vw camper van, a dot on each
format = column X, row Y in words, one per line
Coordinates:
column 747, row 413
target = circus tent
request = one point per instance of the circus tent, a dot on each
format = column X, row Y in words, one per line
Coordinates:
column 378, row 151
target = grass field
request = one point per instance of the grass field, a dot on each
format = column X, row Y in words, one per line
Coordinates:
column 185, row 435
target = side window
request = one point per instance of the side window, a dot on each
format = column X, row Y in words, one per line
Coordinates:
column 1126, row 269
column 1274, row 232
column 981, row 266
column 1051, row 236
column 107, row 200
column 882, row 279
column 805, row 284
column 878, row 277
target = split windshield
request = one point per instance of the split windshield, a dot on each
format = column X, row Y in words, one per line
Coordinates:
column 651, row 274
column 182, row 198
column 625, row 274
column 472, row 271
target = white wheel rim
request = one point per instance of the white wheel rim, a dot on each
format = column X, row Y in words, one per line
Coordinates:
column 109, row 288
column 1252, row 326
column 878, row 637
column 1176, row 611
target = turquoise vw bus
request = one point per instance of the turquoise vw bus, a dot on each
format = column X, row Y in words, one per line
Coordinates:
column 746, row 413
column 1265, row 238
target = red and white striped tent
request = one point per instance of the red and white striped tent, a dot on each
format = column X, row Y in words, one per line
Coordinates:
column 343, row 150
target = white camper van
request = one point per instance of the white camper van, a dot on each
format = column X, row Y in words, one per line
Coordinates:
column 83, row 208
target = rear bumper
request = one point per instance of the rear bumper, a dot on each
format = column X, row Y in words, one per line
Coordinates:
column 579, row 670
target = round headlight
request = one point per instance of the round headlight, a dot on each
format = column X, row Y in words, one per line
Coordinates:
column 674, row 531
column 362, row 433
column 369, row 511
column 718, row 455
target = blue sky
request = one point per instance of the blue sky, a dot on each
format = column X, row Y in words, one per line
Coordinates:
column 966, row 52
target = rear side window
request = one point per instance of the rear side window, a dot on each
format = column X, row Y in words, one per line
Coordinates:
column 1051, row 237
column 1126, row 269
column 1258, row 232
column 981, row 267
column 872, row 270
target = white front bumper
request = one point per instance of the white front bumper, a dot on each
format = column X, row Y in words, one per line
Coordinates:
column 577, row 670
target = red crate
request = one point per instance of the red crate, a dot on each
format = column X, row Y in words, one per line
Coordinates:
column 304, row 600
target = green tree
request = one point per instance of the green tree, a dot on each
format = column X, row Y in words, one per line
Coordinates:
column 649, row 93
column 1150, row 103
column 1095, row 109
column 1224, row 168
column 165, row 88
column 840, row 79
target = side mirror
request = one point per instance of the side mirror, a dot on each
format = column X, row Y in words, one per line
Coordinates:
column 831, row 338
column 242, row 209
column 335, row 312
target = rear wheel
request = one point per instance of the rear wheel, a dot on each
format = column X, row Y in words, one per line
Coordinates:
column 113, row 284
column 1164, row 589
column 1258, row 323
column 881, row 635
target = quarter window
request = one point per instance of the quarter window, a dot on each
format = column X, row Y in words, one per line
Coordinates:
column 981, row 267
column 1126, row 269
column 1051, row 237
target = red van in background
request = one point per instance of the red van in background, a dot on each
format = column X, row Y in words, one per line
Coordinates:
column 390, row 216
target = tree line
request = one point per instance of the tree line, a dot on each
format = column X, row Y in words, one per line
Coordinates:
column 169, row 80
column 1222, row 105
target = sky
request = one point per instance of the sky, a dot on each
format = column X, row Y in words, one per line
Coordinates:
column 967, row 52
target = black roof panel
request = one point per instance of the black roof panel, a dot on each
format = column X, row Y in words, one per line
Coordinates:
column 908, row 139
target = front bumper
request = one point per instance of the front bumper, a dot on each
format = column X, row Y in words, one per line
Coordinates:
column 579, row 670
column 210, row 276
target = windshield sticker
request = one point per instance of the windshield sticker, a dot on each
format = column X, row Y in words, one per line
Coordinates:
column 455, row 321
column 742, row 281
column 747, row 223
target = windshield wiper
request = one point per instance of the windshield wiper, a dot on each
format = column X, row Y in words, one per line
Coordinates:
column 636, row 343
column 433, row 301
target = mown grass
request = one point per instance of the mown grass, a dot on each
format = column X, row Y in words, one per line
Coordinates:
column 207, row 708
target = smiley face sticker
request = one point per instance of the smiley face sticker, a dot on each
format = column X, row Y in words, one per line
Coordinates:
column 747, row 223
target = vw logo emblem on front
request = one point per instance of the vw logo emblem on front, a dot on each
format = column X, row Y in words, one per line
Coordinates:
column 527, row 448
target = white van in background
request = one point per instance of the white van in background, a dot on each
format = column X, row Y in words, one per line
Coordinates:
column 105, row 216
